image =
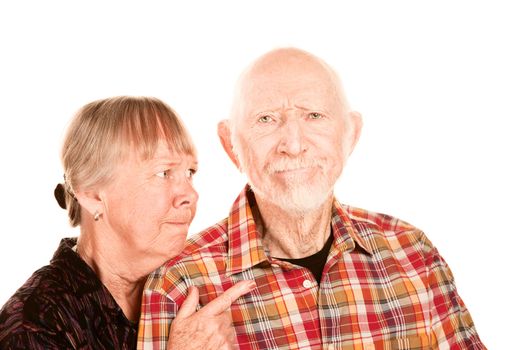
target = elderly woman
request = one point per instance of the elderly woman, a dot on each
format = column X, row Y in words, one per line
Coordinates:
column 128, row 167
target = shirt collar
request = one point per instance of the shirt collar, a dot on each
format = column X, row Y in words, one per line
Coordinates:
column 347, row 230
column 245, row 246
column 84, row 281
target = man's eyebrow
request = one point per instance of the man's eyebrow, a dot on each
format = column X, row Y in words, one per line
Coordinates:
column 311, row 107
column 265, row 110
column 302, row 106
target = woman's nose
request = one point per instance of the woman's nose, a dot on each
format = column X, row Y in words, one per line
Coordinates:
column 185, row 194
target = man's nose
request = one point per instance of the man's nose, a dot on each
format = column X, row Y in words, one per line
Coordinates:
column 292, row 141
column 184, row 194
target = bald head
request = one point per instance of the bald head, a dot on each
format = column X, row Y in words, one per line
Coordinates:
column 284, row 68
column 291, row 129
column 280, row 61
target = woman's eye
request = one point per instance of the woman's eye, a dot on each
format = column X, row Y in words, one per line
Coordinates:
column 190, row 173
column 163, row 174
column 315, row 115
column 265, row 119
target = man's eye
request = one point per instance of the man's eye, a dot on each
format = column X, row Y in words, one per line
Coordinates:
column 315, row 115
column 163, row 174
column 265, row 119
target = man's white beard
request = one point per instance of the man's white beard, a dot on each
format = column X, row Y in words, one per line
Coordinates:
column 295, row 195
column 299, row 199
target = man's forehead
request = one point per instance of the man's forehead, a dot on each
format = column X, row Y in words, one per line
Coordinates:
column 303, row 91
column 288, row 74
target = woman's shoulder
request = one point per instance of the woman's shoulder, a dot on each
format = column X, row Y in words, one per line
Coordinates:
column 49, row 302
column 46, row 286
column 60, row 305
column 33, row 307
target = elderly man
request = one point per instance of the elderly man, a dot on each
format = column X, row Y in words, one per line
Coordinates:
column 328, row 275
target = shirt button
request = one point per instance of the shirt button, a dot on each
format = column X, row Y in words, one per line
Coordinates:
column 307, row 283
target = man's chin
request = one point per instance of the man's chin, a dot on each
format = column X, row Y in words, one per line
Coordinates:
column 302, row 208
column 299, row 199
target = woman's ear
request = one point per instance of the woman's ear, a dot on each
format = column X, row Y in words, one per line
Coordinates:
column 91, row 201
column 225, row 135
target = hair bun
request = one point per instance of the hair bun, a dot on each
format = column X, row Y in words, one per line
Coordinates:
column 60, row 196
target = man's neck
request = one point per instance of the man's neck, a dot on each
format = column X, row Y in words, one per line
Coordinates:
column 291, row 235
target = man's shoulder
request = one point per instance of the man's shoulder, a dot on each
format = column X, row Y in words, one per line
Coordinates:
column 207, row 248
column 392, row 240
column 381, row 221
column 212, row 240
column 387, row 233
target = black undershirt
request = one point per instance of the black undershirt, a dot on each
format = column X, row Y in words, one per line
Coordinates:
column 315, row 263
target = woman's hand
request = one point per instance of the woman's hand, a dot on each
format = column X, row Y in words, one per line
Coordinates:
column 211, row 327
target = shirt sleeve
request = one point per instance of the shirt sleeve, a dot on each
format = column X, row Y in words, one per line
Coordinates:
column 162, row 297
column 452, row 325
column 36, row 323
column 32, row 340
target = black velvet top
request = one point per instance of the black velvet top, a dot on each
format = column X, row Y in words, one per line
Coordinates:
column 64, row 305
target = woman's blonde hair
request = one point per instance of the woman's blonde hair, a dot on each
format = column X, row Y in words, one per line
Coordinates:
column 104, row 132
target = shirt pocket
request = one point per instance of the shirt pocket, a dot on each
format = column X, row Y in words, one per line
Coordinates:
column 413, row 342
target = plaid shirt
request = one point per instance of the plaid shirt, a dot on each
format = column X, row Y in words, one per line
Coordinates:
column 384, row 286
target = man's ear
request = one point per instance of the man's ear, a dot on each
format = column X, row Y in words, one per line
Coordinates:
column 355, row 125
column 225, row 134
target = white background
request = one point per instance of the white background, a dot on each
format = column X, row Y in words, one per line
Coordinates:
column 441, row 87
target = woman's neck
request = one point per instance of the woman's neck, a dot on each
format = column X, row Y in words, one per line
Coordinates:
column 113, row 268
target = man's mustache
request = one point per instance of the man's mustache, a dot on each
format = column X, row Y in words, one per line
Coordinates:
column 288, row 164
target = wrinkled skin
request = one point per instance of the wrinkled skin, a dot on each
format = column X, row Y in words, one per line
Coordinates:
column 211, row 327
